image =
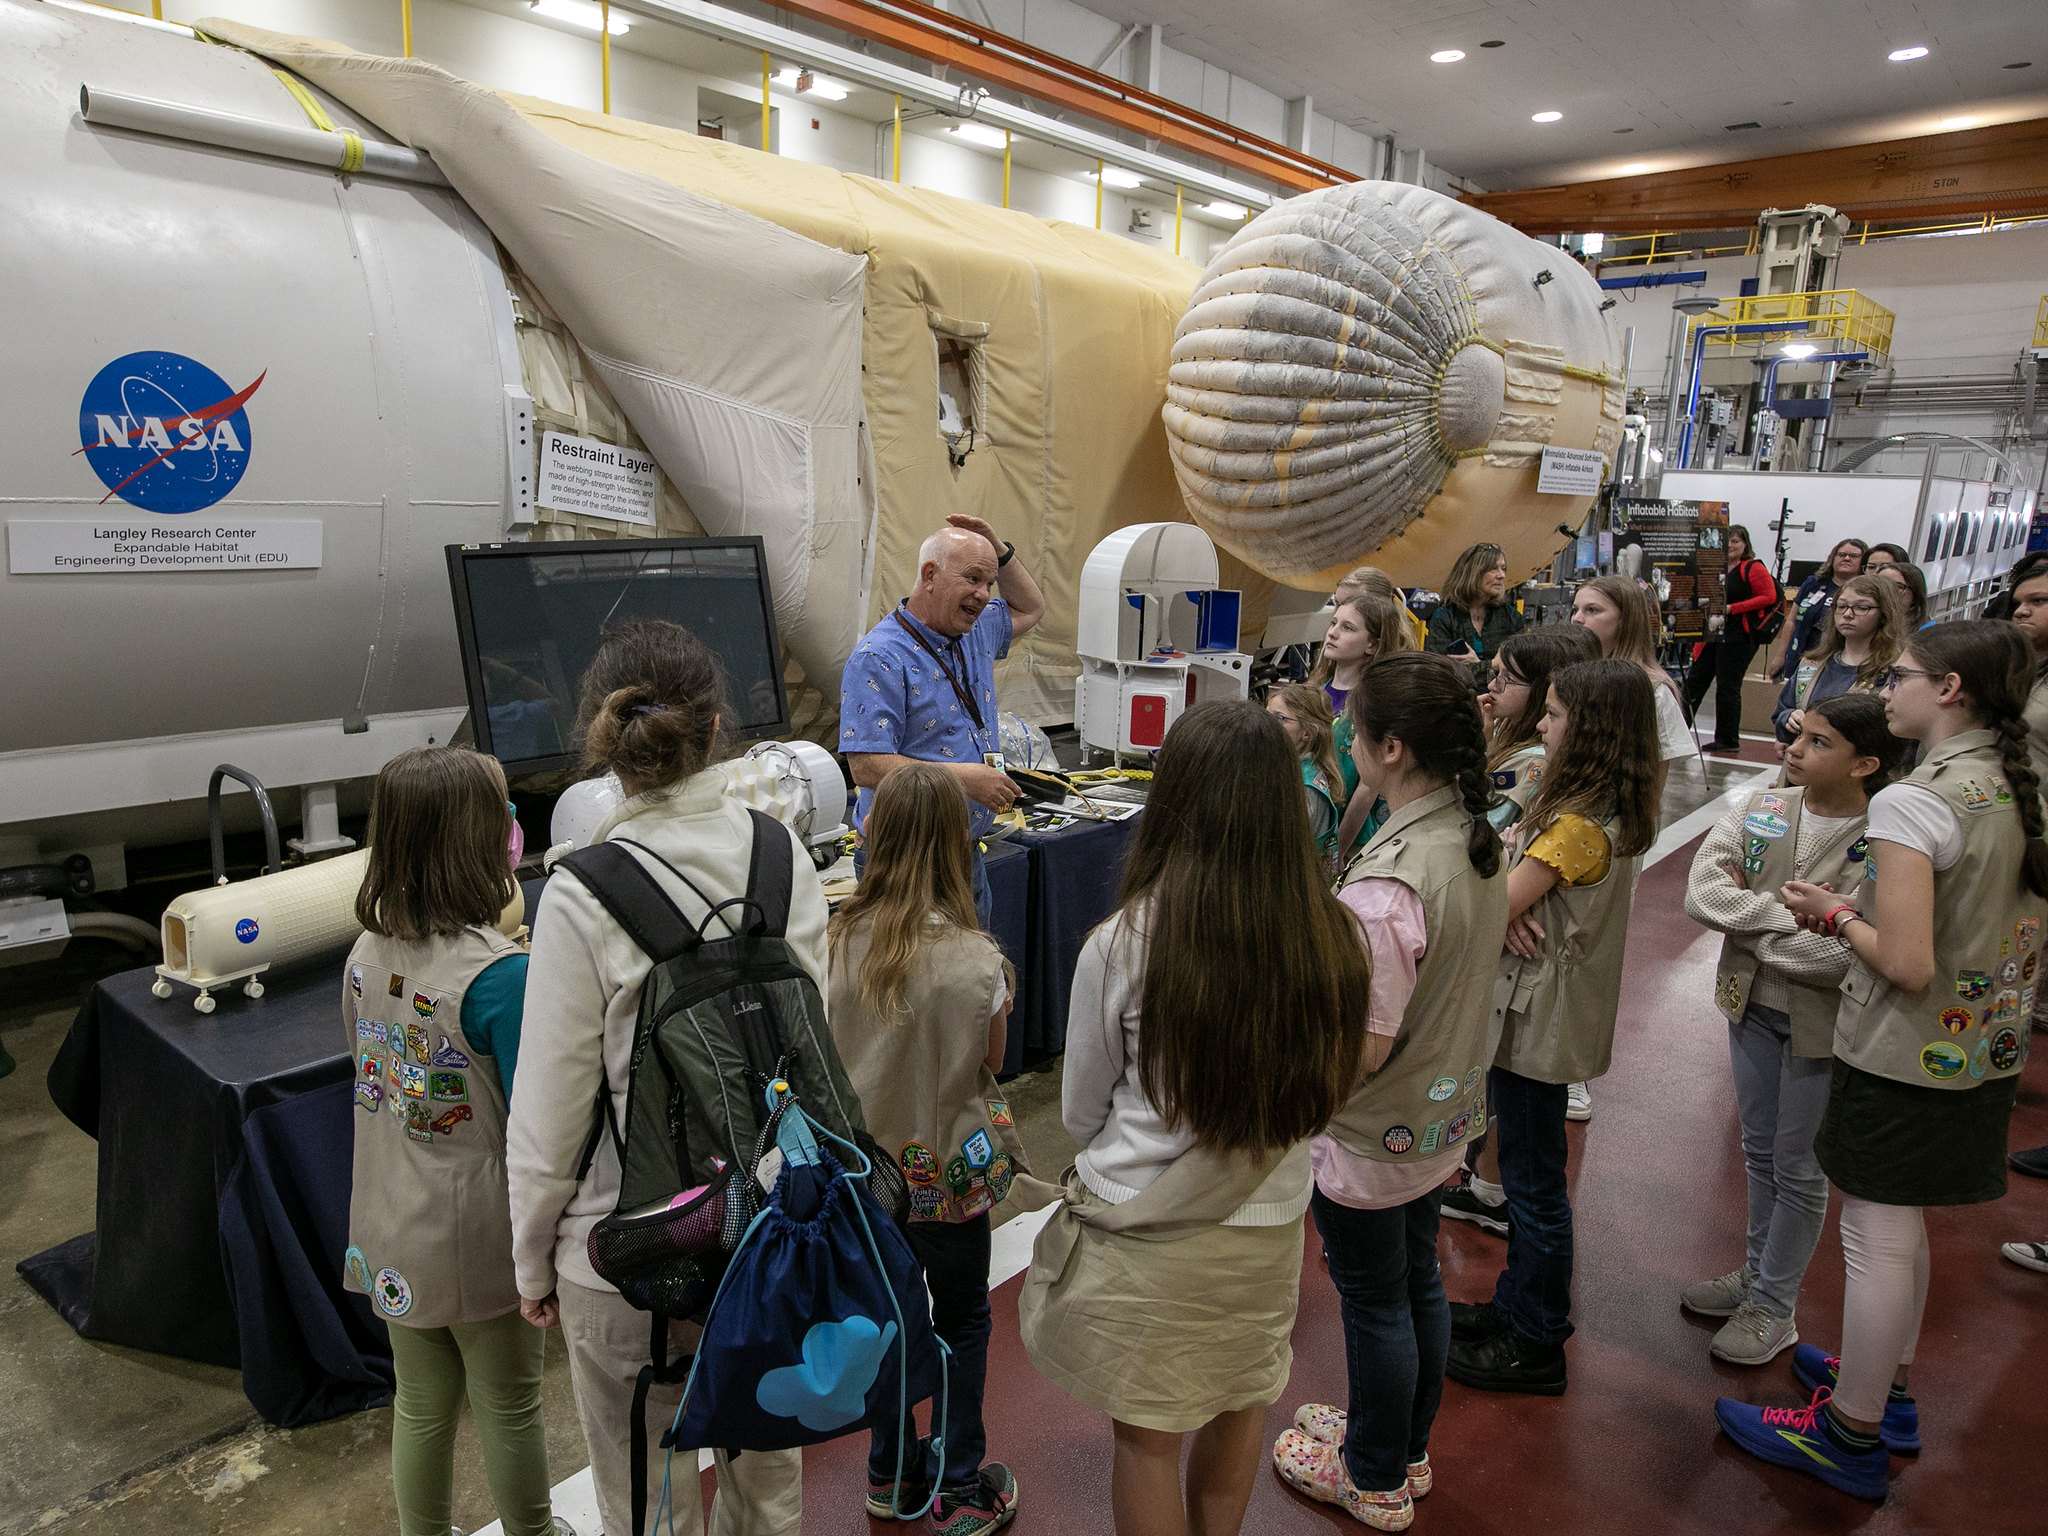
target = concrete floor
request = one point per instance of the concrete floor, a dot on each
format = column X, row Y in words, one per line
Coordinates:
column 99, row 1438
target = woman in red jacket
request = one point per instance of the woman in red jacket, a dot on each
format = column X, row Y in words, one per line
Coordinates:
column 1753, row 599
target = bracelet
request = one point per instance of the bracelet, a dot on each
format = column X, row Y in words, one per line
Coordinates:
column 1009, row 553
column 1829, row 925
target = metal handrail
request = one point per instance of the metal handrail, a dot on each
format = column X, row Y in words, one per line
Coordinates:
column 271, row 845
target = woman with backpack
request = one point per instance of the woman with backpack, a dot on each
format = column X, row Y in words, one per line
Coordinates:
column 1756, row 608
column 1163, row 1290
column 650, row 711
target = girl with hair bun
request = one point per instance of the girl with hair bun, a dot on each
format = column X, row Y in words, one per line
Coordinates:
column 1930, row 1038
column 1429, row 891
column 652, row 701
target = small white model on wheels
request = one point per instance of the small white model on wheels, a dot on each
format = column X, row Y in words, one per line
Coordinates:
column 204, row 1002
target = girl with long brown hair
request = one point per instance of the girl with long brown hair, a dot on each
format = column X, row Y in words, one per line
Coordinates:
column 1623, row 616
column 1859, row 642
column 1327, row 777
column 1218, row 1021
column 1370, row 578
column 1569, row 893
column 1929, row 1039
column 919, row 1003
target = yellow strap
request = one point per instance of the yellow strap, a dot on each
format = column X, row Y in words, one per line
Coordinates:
column 351, row 143
column 351, row 153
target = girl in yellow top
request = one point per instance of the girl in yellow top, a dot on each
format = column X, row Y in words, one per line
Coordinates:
column 1569, row 893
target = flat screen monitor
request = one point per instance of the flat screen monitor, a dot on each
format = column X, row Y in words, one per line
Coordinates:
column 531, row 616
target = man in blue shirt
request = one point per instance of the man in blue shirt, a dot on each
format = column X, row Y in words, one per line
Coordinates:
column 921, row 684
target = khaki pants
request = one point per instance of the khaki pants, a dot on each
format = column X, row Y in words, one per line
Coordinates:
column 759, row 1494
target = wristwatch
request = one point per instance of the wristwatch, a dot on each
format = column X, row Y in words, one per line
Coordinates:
column 1009, row 553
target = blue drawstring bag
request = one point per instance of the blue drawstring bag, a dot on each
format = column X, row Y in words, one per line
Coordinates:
column 821, row 1325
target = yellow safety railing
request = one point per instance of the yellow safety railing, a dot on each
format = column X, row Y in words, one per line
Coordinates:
column 1855, row 321
column 2041, row 323
column 1667, row 245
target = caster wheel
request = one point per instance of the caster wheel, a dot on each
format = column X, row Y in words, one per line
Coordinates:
column 161, row 989
column 253, row 989
column 204, row 1003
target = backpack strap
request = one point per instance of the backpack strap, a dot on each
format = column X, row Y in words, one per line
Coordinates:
column 634, row 898
column 771, row 873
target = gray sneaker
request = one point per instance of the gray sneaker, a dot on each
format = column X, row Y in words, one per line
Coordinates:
column 1752, row 1337
column 1719, row 1297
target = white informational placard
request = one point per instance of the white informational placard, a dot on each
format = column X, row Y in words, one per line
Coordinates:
column 592, row 479
column 207, row 542
column 1571, row 472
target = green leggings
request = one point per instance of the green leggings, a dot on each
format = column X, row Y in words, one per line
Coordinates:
column 499, row 1365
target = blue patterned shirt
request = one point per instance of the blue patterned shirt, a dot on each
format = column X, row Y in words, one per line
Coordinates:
column 893, row 698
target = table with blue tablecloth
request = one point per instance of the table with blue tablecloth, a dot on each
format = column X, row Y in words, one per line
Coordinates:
column 1075, row 874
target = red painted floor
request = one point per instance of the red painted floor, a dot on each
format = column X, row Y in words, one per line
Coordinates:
column 1632, row 1447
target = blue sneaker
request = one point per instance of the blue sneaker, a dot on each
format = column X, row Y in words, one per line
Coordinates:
column 1795, row 1438
column 1814, row 1368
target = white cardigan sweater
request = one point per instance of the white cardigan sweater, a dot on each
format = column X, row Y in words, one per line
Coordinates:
column 582, row 995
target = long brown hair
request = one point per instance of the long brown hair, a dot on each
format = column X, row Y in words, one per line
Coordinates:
column 1385, row 621
column 1885, row 644
column 1252, row 1024
column 916, row 840
column 1532, row 656
column 1914, row 610
column 1425, row 702
column 1370, row 578
column 1635, row 631
column 1607, row 768
column 1463, row 588
column 1995, row 666
column 440, row 831
column 652, row 698
column 1310, row 707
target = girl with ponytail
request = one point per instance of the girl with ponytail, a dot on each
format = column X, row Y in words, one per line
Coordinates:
column 1429, row 891
column 1945, row 938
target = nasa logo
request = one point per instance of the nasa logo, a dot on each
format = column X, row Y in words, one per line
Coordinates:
column 246, row 930
column 165, row 433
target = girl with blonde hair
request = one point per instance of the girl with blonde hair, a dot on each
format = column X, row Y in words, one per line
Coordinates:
column 1327, row 777
column 1860, row 639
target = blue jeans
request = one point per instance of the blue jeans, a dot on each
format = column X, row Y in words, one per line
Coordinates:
column 977, row 872
column 1780, row 1098
column 1535, row 1290
column 955, row 1260
column 1397, row 1331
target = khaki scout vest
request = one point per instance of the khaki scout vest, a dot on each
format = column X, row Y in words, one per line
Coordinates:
column 1770, row 831
column 924, row 1088
column 1431, row 1092
column 1516, row 782
column 429, row 1222
column 1555, row 1009
column 1970, row 1022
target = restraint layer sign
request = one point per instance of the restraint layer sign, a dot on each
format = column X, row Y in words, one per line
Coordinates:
column 51, row 547
column 592, row 479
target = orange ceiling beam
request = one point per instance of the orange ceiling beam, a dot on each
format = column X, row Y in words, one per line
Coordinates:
column 940, row 37
column 2000, row 169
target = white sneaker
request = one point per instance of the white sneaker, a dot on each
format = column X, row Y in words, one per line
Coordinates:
column 1723, row 1296
column 2027, row 1255
column 1753, row 1337
column 1578, row 1102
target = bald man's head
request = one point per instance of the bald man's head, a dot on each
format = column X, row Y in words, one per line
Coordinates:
column 955, row 569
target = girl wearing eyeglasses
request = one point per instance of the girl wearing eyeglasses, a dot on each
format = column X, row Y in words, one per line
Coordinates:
column 1945, row 935
column 1864, row 632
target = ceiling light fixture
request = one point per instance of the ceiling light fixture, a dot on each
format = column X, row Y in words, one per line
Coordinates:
column 1592, row 245
column 1224, row 210
column 1546, row 117
column 804, row 83
column 1798, row 351
column 1958, row 122
column 1117, row 176
column 581, row 13
column 1447, row 56
column 1639, row 168
column 980, row 133
column 1903, row 55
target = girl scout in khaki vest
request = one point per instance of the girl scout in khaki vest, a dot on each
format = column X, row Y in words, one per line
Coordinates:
column 1932, row 1032
column 1430, row 893
column 920, row 1003
column 1554, row 1001
column 431, row 1008
column 1779, row 989
column 1517, row 688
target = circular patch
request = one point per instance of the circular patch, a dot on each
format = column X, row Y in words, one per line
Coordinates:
column 2005, row 1050
column 1442, row 1089
column 1470, row 397
column 920, row 1164
column 1942, row 1061
column 2008, row 973
column 164, row 432
column 393, row 1296
column 358, row 1268
column 1956, row 1020
column 246, row 930
column 1398, row 1139
column 1980, row 1060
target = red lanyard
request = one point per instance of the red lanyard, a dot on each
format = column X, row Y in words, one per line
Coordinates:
column 963, row 694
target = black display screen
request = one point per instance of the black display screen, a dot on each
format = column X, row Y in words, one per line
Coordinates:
column 531, row 616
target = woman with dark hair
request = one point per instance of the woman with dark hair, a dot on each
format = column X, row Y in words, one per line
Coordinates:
column 652, row 701
column 1909, row 582
column 1163, row 1290
column 1929, row 1039
column 1882, row 555
column 2033, row 563
column 1753, row 597
column 1475, row 615
column 1815, row 597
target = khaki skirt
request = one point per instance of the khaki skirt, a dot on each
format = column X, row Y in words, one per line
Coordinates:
column 1166, row 1334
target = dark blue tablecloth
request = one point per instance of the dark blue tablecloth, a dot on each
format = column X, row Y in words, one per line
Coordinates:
column 1074, row 878
column 1009, row 882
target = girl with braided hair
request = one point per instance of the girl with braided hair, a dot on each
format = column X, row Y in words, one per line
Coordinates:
column 1945, row 937
column 1429, row 891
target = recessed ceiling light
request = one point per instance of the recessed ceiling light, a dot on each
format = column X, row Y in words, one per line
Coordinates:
column 1638, row 169
column 1117, row 176
column 1958, row 122
column 1496, row 43
column 1447, row 56
column 1546, row 117
column 980, row 133
column 1224, row 210
column 1901, row 55
column 582, row 13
